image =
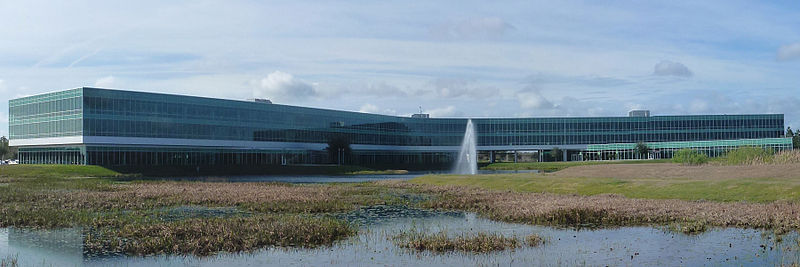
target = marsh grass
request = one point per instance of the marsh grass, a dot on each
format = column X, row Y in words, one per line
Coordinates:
column 609, row 210
column 208, row 236
column 9, row 261
column 534, row 240
column 440, row 242
column 689, row 228
column 152, row 217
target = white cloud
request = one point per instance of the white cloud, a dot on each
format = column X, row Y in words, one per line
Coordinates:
column 789, row 52
column 368, row 108
column 698, row 106
column 279, row 85
column 471, row 29
column 533, row 99
column 105, row 82
column 449, row 111
column 455, row 87
column 669, row 68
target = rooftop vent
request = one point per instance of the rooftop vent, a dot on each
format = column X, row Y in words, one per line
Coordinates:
column 262, row 100
column 639, row 113
column 421, row 115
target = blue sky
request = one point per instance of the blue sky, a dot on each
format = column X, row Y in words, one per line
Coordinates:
column 453, row 58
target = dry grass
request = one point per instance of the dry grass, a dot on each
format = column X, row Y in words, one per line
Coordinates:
column 534, row 240
column 440, row 242
column 677, row 171
column 209, row 236
column 139, row 218
column 787, row 157
column 608, row 210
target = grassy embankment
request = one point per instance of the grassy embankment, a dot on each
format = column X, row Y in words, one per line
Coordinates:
column 72, row 171
column 686, row 198
column 560, row 165
column 157, row 217
column 727, row 190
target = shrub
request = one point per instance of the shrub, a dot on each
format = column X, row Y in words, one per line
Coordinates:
column 689, row 157
column 748, row 156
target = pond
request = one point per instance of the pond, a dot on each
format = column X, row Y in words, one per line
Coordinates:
column 637, row 246
column 319, row 178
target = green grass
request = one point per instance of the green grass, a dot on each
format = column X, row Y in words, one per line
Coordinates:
column 380, row 172
column 55, row 171
column 84, row 171
column 724, row 190
column 560, row 165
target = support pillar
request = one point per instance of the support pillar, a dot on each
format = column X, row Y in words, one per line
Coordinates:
column 541, row 157
column 515, row 156
column 491, row 156
column 565, row 152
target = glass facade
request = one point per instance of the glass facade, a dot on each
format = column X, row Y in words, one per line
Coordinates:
column 47, row 115
column 150, row 128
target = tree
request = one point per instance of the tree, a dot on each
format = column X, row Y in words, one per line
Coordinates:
column 641, row 148
column 338, row 149
column 556, row 153
column 796, row 141
column 789, row 132
column 5, row 151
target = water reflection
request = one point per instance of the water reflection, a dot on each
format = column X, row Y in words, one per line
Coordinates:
column 373, row 246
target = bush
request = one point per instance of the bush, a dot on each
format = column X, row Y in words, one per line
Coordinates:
column 748, row 156
column 689, row 157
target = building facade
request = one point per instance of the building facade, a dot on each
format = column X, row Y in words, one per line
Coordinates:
column 113, row 127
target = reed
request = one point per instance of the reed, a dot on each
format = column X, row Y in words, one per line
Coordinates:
column 208, row 236
column 534, row 240
column 689, row 228
column 9, row 261
column 440, row 242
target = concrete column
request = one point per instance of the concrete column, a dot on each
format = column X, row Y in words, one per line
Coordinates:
column 565, row 154
column 515, row 156
column 540, row 155
column 491, row 156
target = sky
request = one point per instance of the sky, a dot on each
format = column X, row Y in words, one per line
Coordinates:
column 449, row 58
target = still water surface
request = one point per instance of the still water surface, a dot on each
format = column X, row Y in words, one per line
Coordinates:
column 625, row 246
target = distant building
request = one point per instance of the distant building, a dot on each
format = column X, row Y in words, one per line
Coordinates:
column 113, row 127
column 639, row 113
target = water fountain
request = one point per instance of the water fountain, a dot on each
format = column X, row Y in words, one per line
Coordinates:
column 467, row 161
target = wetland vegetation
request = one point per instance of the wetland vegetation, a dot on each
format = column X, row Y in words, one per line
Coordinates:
column 119, row 216
column 440, row 242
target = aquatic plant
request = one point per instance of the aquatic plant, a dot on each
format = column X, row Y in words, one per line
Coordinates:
column 9, row 261
column 440, row 242
column 209, row 236
column 534, row 240
column 689, row 228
